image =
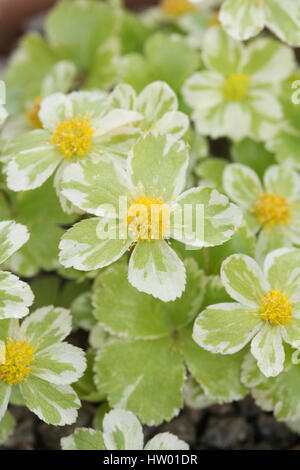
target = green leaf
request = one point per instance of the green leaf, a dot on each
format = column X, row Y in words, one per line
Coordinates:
column 135, row 71
column 85, row 386
column 219, row 375
column 280, row 394
column 29, row 65
column 77, row 29
column 147, row 378
column 211, row 172
column 253, row 154
column 171, row 58
column 138, row 315
column 104, row 68
column 45, row 289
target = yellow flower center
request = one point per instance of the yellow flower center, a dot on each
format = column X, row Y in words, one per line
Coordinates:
column 73, row 137
column 235, row 88
column 33, row 114
column 148, row 218
column 177, row 7
column 276, row 309
column 214, row 20
column 16, row 366
column 271, row 210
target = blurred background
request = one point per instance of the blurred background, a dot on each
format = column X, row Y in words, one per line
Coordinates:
column 15, row 15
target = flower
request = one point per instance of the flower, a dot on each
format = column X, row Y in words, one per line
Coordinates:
column 152, row 206
column 236, row 95
column 121, row 431
column 157, row 105
column 266, row 312
column 243, row 19
column 272, row 209
column 15, row 295
column 75, row 126
column 41, row 365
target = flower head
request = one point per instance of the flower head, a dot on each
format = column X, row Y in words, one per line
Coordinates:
column 270, row 209
column 74, row 126
column 153, row 206
column 232, row 97
column 267, row 311
column 41, row 365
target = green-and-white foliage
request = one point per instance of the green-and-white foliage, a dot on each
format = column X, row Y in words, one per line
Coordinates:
column 237, row 94
column 265, row 311
column 36, row 361
column 150, row 209
column 121, row 431
column 15, row 295
column 143, row 366
column 96, row 186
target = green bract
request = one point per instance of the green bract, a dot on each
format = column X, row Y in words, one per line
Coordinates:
column 15, row 295
column 41, row 365
column 266, row 311
column 236, row 96
column 96, row 186
column 243, row 19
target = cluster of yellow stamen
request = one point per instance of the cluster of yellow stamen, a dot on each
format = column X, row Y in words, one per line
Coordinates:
column 177, row 7
column 16, row 366
column 33, row 114
column 235, row 88
column 271, row 209
column 147, row 217
column 73, row 136
column 276, row 309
